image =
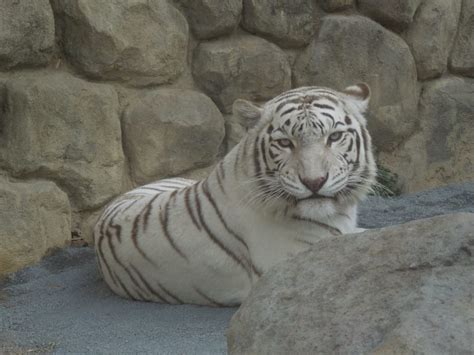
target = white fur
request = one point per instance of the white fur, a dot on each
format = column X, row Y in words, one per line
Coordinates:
column 179, row 261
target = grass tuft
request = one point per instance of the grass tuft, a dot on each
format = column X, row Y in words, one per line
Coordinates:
column 387, row 183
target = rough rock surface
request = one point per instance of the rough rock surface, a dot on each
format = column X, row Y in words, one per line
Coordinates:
column 212, row 18
column 169, row 131
column 350, row 49
column 34, row 218
column 26, row 33
column 462, row 58
column 447, row 117
column 377, row 212
column 199, row 174
column 394, row 14
column 141, row 42
column 335, row 5
column 245, row 67
column 289, row 23
column 403, row 289
column 234, row 131
column 442, row 151
column 41, row 306
column 58, row 127
column 431, row 36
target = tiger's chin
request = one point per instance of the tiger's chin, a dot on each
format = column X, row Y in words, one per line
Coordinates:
column 342, row 197
column 316, row 197
column 316, row 201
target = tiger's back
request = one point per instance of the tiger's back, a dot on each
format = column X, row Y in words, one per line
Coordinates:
column 141, row 235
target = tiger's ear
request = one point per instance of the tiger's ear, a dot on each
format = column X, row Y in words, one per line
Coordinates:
column 247, row 113
column 359, row 95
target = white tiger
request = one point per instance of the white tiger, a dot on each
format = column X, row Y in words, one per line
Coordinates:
column 294, row 178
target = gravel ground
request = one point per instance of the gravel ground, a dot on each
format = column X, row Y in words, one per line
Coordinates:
column 62, row 306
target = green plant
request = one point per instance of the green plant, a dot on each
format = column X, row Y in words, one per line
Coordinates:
column 387, row 184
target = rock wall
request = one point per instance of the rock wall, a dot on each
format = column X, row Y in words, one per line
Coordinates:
column 97, row 97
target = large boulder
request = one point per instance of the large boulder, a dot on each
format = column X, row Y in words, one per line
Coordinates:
column 289, row 23
column 431, row 36
column 170, row 131
column 26, row 33
column 335, row 5
column 350, row 49
column 404, row 289
column 462, row 58
column 234, row 131
column 394, row 14
column 211, row 18
column 141, row 42
column 244, row 66
column 35, row 217
column 442, row 151
column 378, row 211
column 447, row 120
column 62, row 128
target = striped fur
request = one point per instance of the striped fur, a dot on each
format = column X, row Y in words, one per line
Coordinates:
column 207, row 242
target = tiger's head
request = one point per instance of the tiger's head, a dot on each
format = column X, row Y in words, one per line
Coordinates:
column 311, row 143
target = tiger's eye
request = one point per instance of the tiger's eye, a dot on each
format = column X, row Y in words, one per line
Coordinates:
column 334, row 137
column 284, row 143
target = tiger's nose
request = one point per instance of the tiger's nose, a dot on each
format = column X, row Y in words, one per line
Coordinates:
column 314, row 185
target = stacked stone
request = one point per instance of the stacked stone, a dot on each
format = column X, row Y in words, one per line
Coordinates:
column 97, row 97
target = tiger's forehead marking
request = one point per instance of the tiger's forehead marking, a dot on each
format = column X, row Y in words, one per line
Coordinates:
column 308, row 112
column 305, row 92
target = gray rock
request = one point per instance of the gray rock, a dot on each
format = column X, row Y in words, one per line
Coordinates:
column 35, row 217
column 26, row 33
column 394, row 14
column 378, row 212
column 211, row 18
column 199, row 174
column 58, row 127
column 141, row 42
column 289, row 23
column 404, row 289
column 431, row 36
column 234, row 131
column 350, row 49
column 83, row 224
column 442, row 151
column 451, row 102
column 335, row 5
column 446, row 111
column 244, row 67
column 462, row 58
column 169, row 131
